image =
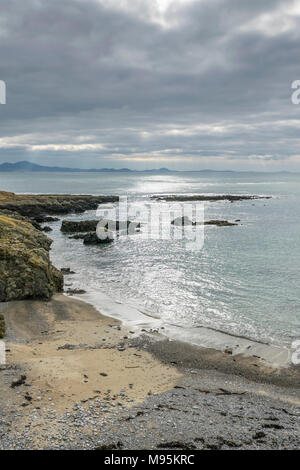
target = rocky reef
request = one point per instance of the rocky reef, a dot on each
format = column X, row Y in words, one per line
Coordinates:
column 70, row 226
column 207, row 197
column 25, row 267
column 73, row 226
column 98, row 232
column 35, row 206
column 185, row 221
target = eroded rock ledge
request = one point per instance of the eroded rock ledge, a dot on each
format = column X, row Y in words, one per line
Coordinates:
column 35, row 206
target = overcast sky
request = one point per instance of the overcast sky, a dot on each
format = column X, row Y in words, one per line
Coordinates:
column 184, row 84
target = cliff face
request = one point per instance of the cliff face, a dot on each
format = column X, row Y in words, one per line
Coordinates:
column 25, row 267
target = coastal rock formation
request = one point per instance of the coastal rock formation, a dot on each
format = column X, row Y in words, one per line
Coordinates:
column 220, row 223
column 182, row 221
column 31, row 205
column 41, row 219
column 78, row 236
column 185, row 221
column 16, row 215
column 208, row 197
column 69, row 226
column 25, row 267
column 67, row 271
column 93, row 239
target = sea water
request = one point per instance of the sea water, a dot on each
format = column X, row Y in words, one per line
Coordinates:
column 244, row 280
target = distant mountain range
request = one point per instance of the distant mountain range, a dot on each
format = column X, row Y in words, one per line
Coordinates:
column 25, row 166
column 28, row 166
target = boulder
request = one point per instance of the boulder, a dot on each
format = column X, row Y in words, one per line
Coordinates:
column 46, row 228
column 181, row 221
column 76, row 291
column 25, row 267
column 93, row 239
column 67, row 271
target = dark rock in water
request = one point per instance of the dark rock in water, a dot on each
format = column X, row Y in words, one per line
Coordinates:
column 42, row 219
column 2, row 326
column 93, row 239
column 185, row 221
column 25, row 267
column 46, row 229
column 67, row 271
column 78, row 236
column 220, row 223
column 76, row 291
column 207, row 197
column 69, row 226
column 181, row 221
column 128, row 225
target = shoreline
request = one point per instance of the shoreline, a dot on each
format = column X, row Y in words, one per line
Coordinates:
column 242, row 360
column 272, row 354
column 87, row 372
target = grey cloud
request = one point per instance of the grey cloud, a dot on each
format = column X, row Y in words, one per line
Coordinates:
column 80, row 68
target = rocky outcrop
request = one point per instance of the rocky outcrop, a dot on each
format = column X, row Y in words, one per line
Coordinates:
column 207, row 197
column 67, row 271
column 186, row 221
column 220, row 223
column 93, row 239
column 25, row 267
column 182, row 221
column 16, row 215
column 70, row 226
column 78, row 236
column 29, row 205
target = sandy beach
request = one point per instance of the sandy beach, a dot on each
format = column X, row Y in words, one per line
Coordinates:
column 77, row 379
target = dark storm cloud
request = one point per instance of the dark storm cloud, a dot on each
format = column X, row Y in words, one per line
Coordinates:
column 205, row 83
